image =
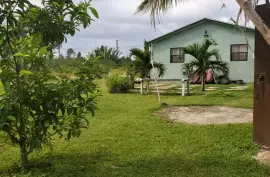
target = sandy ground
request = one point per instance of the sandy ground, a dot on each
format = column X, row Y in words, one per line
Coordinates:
column 238, row 88
column 263, row 156
column 207, row 115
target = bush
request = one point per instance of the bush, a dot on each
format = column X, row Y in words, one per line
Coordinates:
column 118, row 84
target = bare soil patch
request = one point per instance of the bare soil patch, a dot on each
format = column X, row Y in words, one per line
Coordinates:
column 263, row 156
column 207, row 114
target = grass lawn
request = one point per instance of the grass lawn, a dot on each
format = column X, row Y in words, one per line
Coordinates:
column 125, row 139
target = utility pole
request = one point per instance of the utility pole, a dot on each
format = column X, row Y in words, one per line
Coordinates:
column 117, row 46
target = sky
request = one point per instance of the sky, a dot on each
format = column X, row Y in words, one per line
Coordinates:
column 118, row 22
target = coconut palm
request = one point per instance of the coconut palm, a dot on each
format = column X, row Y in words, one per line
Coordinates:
column 204, row 59
column 142, row 62
column 106, row 53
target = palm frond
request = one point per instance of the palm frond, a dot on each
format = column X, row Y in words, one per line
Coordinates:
column 192, row 50
column 161, row 68
column 207, row 43
column 189, row 68
column 137, row 53
column 156, row 7
column 213, row 52
column 220, row 66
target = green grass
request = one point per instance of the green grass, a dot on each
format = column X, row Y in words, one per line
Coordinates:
column 125, row 139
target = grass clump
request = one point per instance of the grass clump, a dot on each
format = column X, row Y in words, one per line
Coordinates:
column 223, row 94
column 117, row 84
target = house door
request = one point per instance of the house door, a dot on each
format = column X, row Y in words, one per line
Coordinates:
column 261, row 119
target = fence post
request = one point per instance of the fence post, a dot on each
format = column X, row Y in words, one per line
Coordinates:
column 188, row 87
column 183, row 87
column 148, row 87
column 141, row 86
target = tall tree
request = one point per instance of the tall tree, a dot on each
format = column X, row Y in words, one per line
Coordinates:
column 204, row 59
column 33, row 108
column 79, row 55
column 156, row 7
column 70, row 53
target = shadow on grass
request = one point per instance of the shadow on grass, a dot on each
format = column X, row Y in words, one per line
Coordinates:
column 106, row 164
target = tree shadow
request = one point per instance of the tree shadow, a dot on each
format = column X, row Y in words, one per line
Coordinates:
column 106, row 164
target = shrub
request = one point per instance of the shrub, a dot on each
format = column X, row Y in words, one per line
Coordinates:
column 118, row 84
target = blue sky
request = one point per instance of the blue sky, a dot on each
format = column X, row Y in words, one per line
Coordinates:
column 118, row 22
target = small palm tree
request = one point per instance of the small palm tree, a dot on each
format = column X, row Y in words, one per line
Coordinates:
column 204, row 59
column 142, row 62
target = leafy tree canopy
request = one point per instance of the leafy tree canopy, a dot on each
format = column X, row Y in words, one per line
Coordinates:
column 35, row 105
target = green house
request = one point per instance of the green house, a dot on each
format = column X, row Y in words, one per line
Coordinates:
column 232, row 45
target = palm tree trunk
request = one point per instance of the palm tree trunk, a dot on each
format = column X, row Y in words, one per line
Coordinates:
column 203, row 82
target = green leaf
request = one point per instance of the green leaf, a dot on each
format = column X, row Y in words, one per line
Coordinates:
column 43, row 50
column 12, row 118
column 26, row 73
column 18, row 54
column 94, row 12
column 56, row 4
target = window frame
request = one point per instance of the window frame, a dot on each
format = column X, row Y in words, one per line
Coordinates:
column 231, row 53
column 183, row 61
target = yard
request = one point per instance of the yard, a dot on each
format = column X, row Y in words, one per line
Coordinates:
column 126, row 139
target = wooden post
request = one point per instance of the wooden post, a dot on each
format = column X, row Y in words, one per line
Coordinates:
column 141, row 86
column 188, row 87
column 183, row 87
column 148, row 87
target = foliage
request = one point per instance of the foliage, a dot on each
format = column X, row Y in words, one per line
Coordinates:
column 79, row 55
column 55, row 19
column 117, row 84
column 105, row 53
column 142, row 63
column 70, row 53
column 204, row 59
column 124, row 61
column 36, row 105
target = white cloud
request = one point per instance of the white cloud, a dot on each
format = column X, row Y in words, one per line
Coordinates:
column 118, row 22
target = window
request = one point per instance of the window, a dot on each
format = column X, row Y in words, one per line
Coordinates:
column 177, row 55
column 239, row 52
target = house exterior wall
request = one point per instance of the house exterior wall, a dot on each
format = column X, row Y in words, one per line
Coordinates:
column 224, row 34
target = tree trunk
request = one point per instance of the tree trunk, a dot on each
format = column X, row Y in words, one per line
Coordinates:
column 256, row 19
column 203, row 82
column 24, row 156
column 132, row 81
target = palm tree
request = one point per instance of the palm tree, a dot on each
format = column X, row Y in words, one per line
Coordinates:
column 204, row 59
column 142, row 62
column 106, row 53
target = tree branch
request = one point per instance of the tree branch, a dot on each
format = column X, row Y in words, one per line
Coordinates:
column 242, row 34
column 256, row 19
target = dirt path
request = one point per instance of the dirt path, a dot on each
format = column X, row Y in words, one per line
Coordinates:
column 207, row 114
